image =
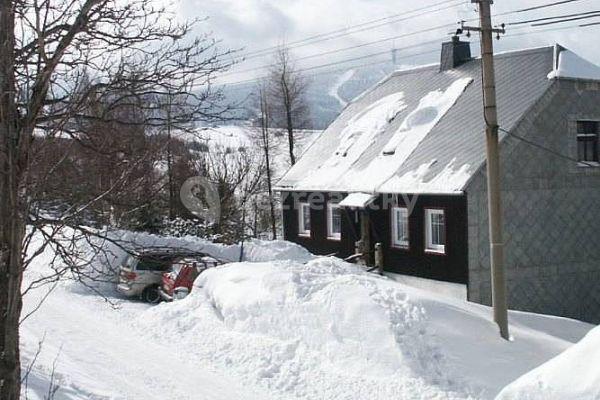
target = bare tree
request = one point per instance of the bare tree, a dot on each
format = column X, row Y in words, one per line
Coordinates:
column 56, row 55
column 265, row 143
column 238, row 174
column 287, row 88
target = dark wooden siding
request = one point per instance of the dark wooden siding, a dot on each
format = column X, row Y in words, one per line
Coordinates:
column 318, row 243
column 451, row 267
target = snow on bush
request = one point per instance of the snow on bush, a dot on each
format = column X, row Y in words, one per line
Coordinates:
column 572, row 375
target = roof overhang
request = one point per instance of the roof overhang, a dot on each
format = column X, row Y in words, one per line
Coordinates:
column 358, row 200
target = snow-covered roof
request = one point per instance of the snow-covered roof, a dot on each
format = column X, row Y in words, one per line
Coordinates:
column 419, row 131
column 569, row 65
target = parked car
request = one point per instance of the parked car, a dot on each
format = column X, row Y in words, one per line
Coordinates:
column 178, row 283
column 141, row 273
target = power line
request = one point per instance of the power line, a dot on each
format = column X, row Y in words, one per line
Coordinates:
column 556, row 3
column 344, row 31
column 338, row 63
column 338, row 36
column 422, row 44
column 546, row 149
column 553, row 18
column 352, row 29
column 408, row 56
column 566, row 20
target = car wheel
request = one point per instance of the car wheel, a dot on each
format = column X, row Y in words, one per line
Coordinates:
column 151, row 295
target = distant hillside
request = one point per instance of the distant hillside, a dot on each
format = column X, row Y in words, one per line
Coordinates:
column 327, row 93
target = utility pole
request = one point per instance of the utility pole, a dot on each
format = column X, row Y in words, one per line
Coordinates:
column 493, row 163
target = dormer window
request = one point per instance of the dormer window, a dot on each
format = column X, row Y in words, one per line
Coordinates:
column 587, row 141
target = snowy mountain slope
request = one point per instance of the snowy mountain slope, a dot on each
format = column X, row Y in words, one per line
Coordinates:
column 326, row 95
column 288, row 327
column 334, row 91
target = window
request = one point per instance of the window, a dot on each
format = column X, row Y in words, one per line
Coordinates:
column 304, row 219
column 334, row 221
column 435, row 231
column 400, row 227
column 587, row 141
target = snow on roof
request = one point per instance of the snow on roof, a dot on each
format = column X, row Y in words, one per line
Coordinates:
column 358, row 200
column 361, row 130
column 449, row 180
column 433, row 137
column 570, row 65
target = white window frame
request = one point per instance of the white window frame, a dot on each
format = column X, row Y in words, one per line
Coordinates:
column 302, row 231
column 403, row 244
column 330, row 234
column 431, row 247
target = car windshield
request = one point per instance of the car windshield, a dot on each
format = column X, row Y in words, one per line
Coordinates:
column 154, row 263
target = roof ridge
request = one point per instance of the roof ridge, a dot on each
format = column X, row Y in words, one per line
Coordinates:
column 501, row 54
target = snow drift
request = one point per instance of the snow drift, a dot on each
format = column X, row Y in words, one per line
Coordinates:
column 326, row 329
column 573, row 375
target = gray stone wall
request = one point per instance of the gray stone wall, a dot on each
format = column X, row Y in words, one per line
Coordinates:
column 551, row 209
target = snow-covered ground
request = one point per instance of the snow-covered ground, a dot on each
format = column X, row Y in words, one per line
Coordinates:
column 573, row 374
column 244, row 135
column 281, row 325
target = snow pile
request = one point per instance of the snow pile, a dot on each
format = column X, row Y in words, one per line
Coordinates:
column 570, row 65
column 573, row 375
column 327, row 329
column 321, row 330
column 254, row 250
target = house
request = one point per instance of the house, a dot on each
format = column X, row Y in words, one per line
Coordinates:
column 404, row 166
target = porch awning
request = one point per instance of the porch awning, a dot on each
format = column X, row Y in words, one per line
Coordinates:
column 358, row 200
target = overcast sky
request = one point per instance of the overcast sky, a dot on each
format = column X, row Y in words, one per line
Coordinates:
column 258, row 24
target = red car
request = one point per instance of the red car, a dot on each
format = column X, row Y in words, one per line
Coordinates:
column 178, row 283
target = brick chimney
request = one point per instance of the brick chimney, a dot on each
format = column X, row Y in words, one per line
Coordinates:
column 454, row 53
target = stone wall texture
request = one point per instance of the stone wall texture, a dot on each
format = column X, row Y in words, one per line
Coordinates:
column 551, row 209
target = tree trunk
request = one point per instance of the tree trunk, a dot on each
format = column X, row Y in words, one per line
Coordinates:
column 10, row 307
column 266, row 146
column 287, row 100
column 291, row 138
column 11, row 217
column 172, row 193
